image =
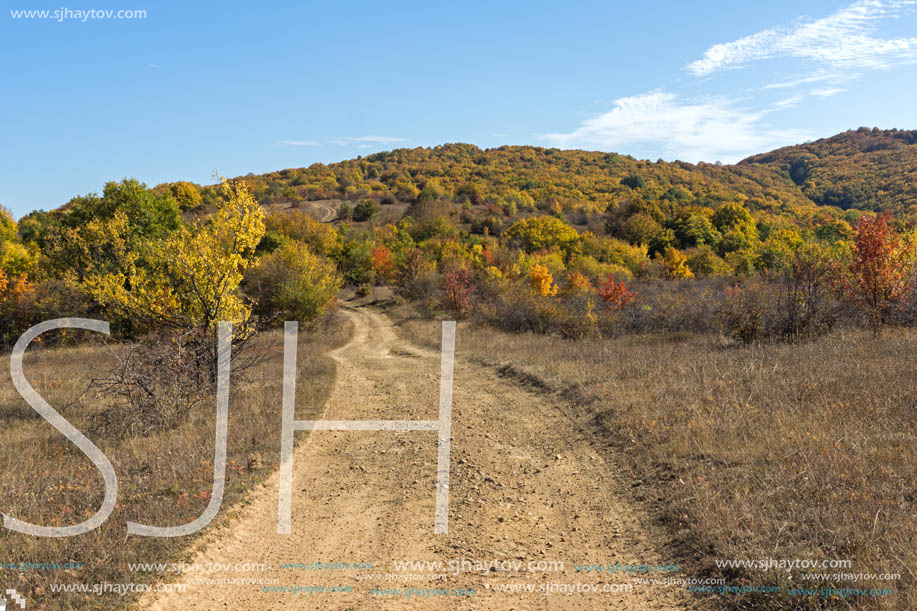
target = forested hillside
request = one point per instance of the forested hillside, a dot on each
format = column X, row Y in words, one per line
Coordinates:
column 528, row 176
column 869, row 169
column 447, row 222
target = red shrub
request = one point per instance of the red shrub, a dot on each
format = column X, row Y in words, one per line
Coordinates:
column 615, row 295
column 457, row 288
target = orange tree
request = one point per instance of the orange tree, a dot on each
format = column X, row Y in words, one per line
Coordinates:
column 878, row 274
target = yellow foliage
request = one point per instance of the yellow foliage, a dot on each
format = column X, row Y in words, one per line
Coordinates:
column 578, row 283
column 191, row 277
column 591, row 268
column 542, row 281
column 296, row 224
column 536, row 233
column 493, row 272
column 554, row 261
column 676, row 264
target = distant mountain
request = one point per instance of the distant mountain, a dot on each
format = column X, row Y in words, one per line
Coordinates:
column 869, row 169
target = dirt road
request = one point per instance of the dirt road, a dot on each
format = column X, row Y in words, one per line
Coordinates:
column 323, row 211
column 525, row 488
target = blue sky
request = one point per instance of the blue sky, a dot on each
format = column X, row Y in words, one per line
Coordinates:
column 238, row 87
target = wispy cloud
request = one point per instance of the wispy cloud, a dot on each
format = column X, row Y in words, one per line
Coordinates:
column 805, row 80
column 299, row 142
column 789, row 102
column 827, row 92
column 691, row 131
column 846, row 39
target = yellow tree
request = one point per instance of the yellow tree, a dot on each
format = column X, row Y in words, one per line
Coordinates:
column 542, row 281
column 15, row 258
column 190, row 278
column 676, row 264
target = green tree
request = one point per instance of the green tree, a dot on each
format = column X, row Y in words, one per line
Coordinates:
column 91, row 234
column 641, row 229
column 150, row 214
column 693, row 229
column 292, row 283
column 364, row 211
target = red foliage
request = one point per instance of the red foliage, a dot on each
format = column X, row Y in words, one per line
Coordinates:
column 879, row 275
column 381, row 261
column 457, row 287
column 488, row 256
column 615, row 295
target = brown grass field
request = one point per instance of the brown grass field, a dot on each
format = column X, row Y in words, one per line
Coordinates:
column 776, row 451
column 163, row 479
column 767, row 451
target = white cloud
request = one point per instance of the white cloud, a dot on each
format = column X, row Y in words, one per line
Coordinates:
column 299, row 143
column 691, row 131
column 788, row 102
column 803, row 80
column 827, row 92
column 845, row 39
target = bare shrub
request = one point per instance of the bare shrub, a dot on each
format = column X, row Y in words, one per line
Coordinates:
column 796, row 305
column 158, row 381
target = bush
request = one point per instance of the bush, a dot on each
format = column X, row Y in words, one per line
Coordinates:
column 542, row 232
column 355, row 262
column 797, row 305
column 292, row 283
column 457, row 287
column 158, row 382
column 595, row 270
column 741, row 317
column 364, row 211
column 674, row 306
column 321, row 239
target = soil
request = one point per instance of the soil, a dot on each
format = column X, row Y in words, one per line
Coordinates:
column 525, row 486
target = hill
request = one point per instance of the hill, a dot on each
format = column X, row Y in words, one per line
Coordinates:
column 529, row 177
column 868, row 169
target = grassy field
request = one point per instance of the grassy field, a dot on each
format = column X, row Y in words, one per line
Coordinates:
column 747, row 453
column 163, row 479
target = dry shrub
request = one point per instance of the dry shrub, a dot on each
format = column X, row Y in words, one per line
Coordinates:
column 674, row 306
column 164, row 478
column 161, row 380
column 417, row 280
column 797, row 306
column 515, row 307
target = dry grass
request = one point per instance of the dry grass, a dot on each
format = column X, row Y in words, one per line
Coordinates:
column 163, row 479
column 767, row 451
